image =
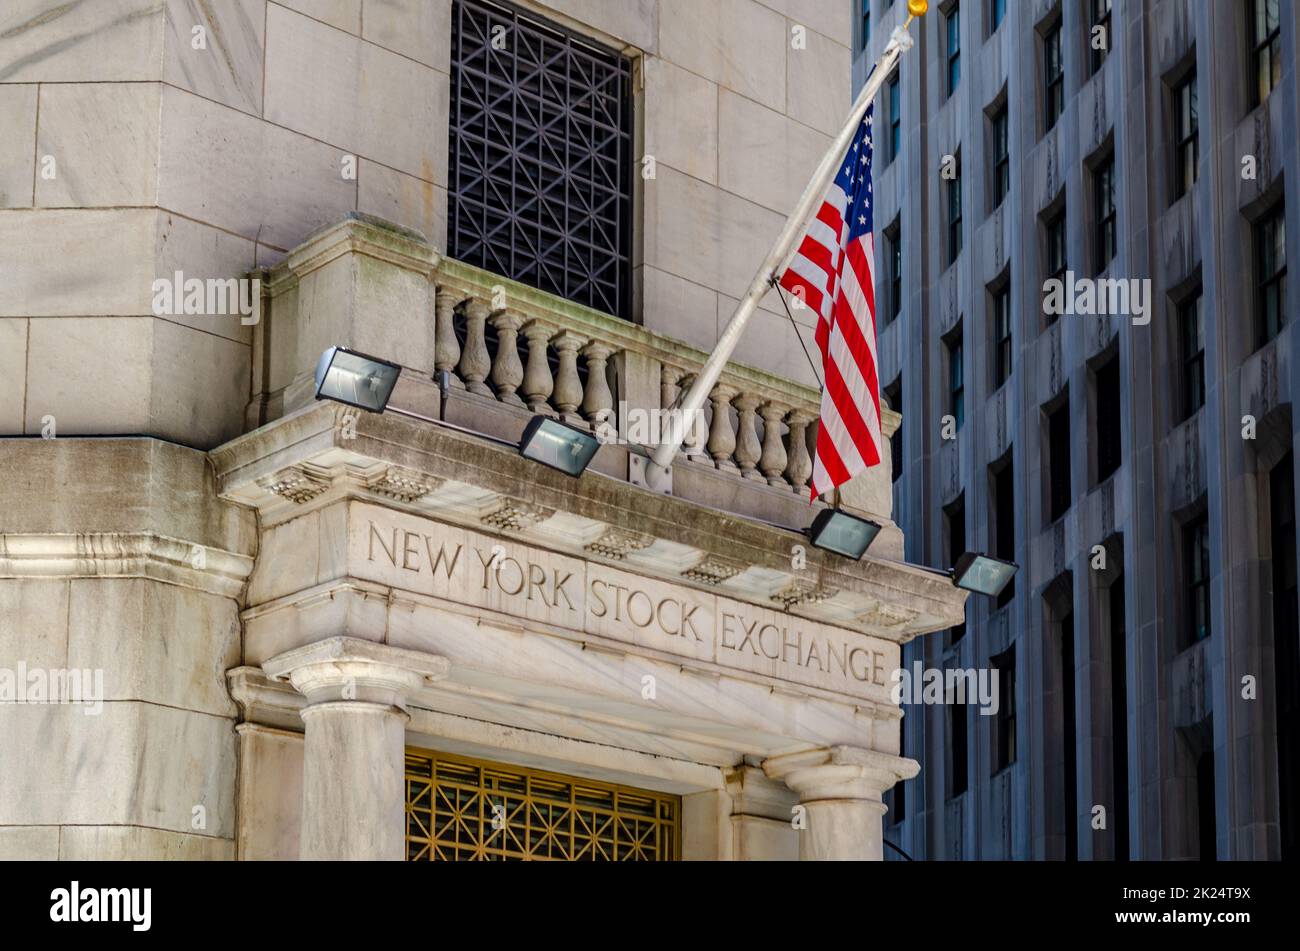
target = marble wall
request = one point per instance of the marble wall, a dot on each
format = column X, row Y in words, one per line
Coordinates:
column 145, row 137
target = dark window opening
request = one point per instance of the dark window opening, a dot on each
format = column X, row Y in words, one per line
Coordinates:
column 895, row 118
column 1286, row 649
column 956, row 378
column 997, row 13
column 954, row 211
column 894, row 394
column 1004, row 534
column 1119, row 717
column 1098, row 34
column 1004, row 733
column 894, row 257
column 1002, row 350
column 958, row 747
column 1058, row 460
column 1266, row 39
column 953, row 28
column 1270, row 269
column 866, row 23
column 1068, row 740
column 1186, row 128
column 955, row 517
column 1056, row 265
column 1103, row 195
column 1205, row 819
column 540, row 160
column 1196, row 570
column 1191, row 333
column 1001, row 157
column 1110, row 445
column 1053, row 78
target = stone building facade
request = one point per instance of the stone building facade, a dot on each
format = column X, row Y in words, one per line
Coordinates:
column 1138, row 467
column 328, row 633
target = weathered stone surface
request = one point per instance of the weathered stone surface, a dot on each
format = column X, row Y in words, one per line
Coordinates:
column 632, row 21
column 132, row 764
column 160, row 643
column 13, row 373
column 52, row 41
column 131, row 843
column 681, row 120
column 228, row 66
column 736, row 43
column 420, row 29
column 403, row 199
column 356, row 96
column 343, row 14
column 17, row 153
column 76, row 263
column 295, row 188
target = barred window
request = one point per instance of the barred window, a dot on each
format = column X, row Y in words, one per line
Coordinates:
column 540, row 155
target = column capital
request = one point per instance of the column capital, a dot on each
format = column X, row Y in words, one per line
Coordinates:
column 840, row 772
column 351, row 669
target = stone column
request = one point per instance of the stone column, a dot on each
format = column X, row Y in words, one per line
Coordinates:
column 353, row 801
column 840, row 788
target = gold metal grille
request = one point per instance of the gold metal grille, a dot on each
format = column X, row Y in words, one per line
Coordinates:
column 460, row 809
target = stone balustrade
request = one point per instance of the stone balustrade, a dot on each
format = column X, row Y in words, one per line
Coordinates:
column 504, row 341
column 509, row 350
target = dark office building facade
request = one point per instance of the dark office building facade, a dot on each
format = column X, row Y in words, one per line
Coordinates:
column 1124, row 433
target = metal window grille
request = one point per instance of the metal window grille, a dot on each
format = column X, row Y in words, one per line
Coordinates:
column 540, row 156
column 460, row 809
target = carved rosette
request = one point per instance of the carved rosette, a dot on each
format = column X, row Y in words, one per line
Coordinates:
column 800, row 592
column 712, row 570
column 618, row 543
column 516, row 515
column 297, row 484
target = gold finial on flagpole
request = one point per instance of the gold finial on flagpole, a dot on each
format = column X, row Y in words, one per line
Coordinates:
column 917, row 8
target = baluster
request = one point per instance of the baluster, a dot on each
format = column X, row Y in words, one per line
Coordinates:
column 694, row 445
column 568, row 386
column 598, row 402
column 772, row 462
column 474, row 361
column 722, row 438
column 800, row 465
column 811, row 443
column 747, row 447
column 446, row 348
column 507, row 371
column 538, row 384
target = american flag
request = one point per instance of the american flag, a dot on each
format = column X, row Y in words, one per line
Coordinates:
column 833, row 272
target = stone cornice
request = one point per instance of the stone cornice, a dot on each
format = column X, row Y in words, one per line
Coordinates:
column 342, row 450
column 124, row 555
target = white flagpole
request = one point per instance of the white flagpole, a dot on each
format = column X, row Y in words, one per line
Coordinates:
column 775, row 262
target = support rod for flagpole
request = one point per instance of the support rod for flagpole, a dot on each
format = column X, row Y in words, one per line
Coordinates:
column 784, row 248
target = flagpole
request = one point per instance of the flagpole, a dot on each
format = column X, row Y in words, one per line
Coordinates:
column 779, row 256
